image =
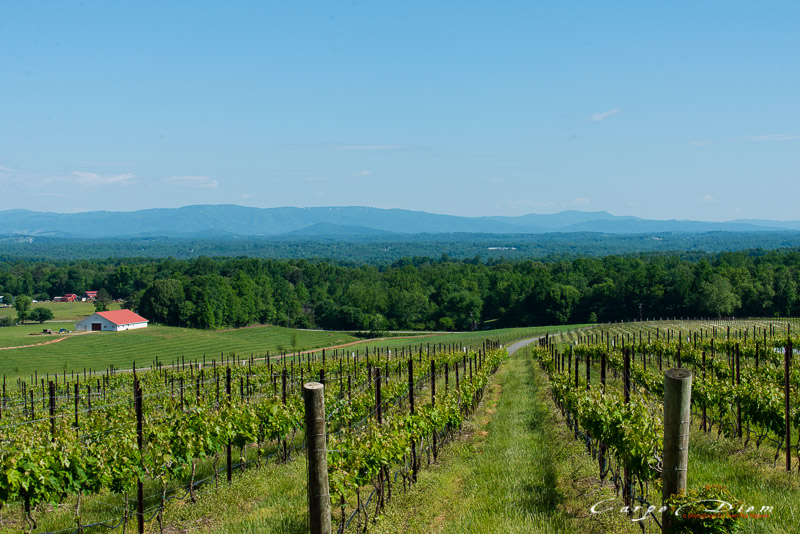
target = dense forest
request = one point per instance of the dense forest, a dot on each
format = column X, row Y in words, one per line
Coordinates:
column 424, row 293
column 383, row 249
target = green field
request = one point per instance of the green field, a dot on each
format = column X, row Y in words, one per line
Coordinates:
column 62, row 311
column 28, row 334
column 503, row 335
column 98, row 350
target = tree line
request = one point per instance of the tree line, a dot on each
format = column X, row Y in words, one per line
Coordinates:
column 424, row 293
column 383, row 249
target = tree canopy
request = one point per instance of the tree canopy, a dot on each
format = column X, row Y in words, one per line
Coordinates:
column 22, row 304
column 40, row 315
column 423, row 293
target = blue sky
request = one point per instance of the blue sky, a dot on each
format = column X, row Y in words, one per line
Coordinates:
column 685, row 110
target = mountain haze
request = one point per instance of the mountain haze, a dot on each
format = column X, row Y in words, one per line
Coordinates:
column 232, row 220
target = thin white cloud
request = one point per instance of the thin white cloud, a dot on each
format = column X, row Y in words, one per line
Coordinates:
column 581, row 201
column 368, row 147
column 200, row 182
column 92, row 178
column 771, row 137
column 361, row 174
column 530, row 204
column 5, row 169
column 597, row 117
column 104, row 163
column 315, row 179
column 708, row 199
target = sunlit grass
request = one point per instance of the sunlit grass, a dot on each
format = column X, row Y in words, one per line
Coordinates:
column 98, row 350
column 62, row 311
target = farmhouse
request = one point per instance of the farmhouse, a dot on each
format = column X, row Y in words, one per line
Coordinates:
column 112, row 321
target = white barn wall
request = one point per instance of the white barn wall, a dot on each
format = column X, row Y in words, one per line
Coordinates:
column 132, row 326
column 85, row 325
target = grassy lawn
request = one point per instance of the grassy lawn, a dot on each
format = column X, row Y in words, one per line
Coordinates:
column 17, row 336
column 504, row 335
column 62, row 311
column 98, row 350
column 750, row 477
column 271, row 499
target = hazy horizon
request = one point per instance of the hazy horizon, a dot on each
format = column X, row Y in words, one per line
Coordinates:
column 499, row 214
column 404, row 209
column 677, row 111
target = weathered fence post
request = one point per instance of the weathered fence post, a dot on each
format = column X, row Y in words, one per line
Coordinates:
column 677, row 406
column 627, row 485
column 77, row 402
column 433, row 405
column 411, row 411
column 137, row 401
column 52, row 406
column 577, row 371
column 787, row 360
column 378, row 396
column 626, row 374
column 738, row 402
column 588, row 369
column 705, row 404
column 228, row 446
column 603, row 370
column 283, row 401
column 319, row 501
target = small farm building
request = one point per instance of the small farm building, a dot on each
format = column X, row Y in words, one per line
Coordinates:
column 91, row 295
column 112, row 321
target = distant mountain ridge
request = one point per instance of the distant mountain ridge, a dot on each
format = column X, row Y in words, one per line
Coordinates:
column 239, row 221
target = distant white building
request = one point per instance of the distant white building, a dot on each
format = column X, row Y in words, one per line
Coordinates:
column 112, row 321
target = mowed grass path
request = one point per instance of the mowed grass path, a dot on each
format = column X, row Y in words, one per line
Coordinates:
column 518, row 470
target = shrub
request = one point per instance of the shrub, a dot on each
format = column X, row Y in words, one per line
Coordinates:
column 40, row 315
column 710, row 510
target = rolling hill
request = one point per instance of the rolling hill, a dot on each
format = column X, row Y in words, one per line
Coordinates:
column 231, row 220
